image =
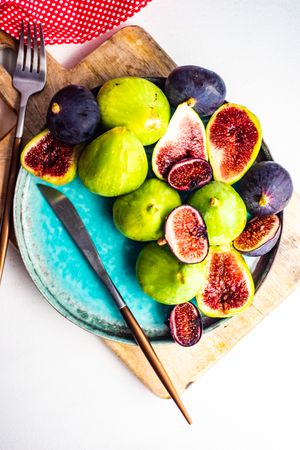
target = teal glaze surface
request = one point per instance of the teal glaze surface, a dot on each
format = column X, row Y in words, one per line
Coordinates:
column 63, row 275
column 66, row 280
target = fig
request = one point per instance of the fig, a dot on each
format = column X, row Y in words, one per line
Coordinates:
column 266, row 189
column 73, row 114
column 141, row 214
column 184, row 138
column 190, row 174
column 186, row 234
column 205, row 86
column 185, row 324
column 222, row 209
column 137, row 104
column 259, row 236
column 226, row 285
column 50, row 159
column 164, row 278
column 233, row 141
column 113, row 164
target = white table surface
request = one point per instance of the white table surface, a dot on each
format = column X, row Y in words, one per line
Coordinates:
column 61, row 388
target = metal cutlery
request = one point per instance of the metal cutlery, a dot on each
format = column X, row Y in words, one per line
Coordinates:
column 29, row 78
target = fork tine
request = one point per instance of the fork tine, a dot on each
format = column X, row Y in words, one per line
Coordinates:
column 35, row 50
column 42, row 65
column 20, row 59
column 27, row 65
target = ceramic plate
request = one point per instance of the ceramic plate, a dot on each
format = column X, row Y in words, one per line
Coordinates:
column 66, row 280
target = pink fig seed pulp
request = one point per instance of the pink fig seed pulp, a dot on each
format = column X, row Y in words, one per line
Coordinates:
column 234, row 134
column 226, row 287
column 186, row 324
column 49, row 157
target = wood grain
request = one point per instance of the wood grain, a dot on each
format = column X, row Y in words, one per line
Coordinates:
column 132, row 51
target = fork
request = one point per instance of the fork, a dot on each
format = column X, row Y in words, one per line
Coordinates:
column 29, row 78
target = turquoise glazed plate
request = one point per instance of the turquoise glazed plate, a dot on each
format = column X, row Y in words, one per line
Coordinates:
column 69, row 284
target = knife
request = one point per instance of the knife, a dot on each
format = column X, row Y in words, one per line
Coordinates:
column 71, row 220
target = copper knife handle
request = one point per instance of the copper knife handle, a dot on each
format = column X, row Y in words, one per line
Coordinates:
column 153, row 359
column 7, row 207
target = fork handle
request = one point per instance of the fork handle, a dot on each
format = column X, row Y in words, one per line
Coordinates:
column 10, row 188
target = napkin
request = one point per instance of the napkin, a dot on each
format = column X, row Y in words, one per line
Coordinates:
column 68, row 21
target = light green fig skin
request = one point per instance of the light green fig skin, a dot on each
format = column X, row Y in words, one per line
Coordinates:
column 113, row 164
column 55, row 180
column 222, row 209
column 137, row 104
column 204, row 278
column 141, row 214
column 164, row 278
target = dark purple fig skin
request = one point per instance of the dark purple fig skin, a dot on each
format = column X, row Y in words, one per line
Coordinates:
column 78, row 116
column 191, row 184
column 203, row 85
column 182, row 317
column 269, row 179
column 266, row 247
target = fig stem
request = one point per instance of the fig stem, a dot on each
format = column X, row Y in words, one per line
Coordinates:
column 214, row 201
column 55, row 108
column 161, row 241
column 264, row 200
column 191, row 102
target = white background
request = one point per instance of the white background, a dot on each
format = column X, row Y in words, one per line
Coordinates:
column 61, row 388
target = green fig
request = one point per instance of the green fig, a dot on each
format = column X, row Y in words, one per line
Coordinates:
column 141, row 214
column 113, row 164
column 137, row 104
column 164, row 278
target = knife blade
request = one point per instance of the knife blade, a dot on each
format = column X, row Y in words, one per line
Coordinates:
column 69, row 217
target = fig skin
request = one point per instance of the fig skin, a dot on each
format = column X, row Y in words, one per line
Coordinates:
column 266, row 188
column 186, row 171
column 191, row 245
column 234, row 139
column 141, row 214
column 164, row 278
column 55, row 161
column 205, row 86
column 113, row 164
column 137, row 104
column 185, row 324
column 73, row 114
column 185, row 138
column 222, row 209
column 215, row 294
column 268, row 238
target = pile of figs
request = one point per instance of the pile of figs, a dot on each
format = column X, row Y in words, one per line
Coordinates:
column 204, row 202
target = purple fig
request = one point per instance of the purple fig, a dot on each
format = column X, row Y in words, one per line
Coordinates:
column 185, row 324
column 190, row 174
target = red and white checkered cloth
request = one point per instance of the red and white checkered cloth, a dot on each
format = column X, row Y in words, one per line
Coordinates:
column 68, row 21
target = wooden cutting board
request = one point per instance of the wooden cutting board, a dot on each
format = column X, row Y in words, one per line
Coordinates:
column 131, row 51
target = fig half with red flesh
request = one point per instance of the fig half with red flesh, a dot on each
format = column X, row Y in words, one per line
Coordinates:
column 184, row 138
column 186, row 234
column 259, row 236
column 226, row 283
column 190, row 174
column 233, row 141
column 185, row 324
column 50, row 159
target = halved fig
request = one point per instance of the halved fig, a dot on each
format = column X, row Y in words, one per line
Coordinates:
column 184, row 138
column 227, row 286
column 233, row 141
column 190, row 174
column 185, row 324
column 259, row 236
column 186, row 234
column 50, row 159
